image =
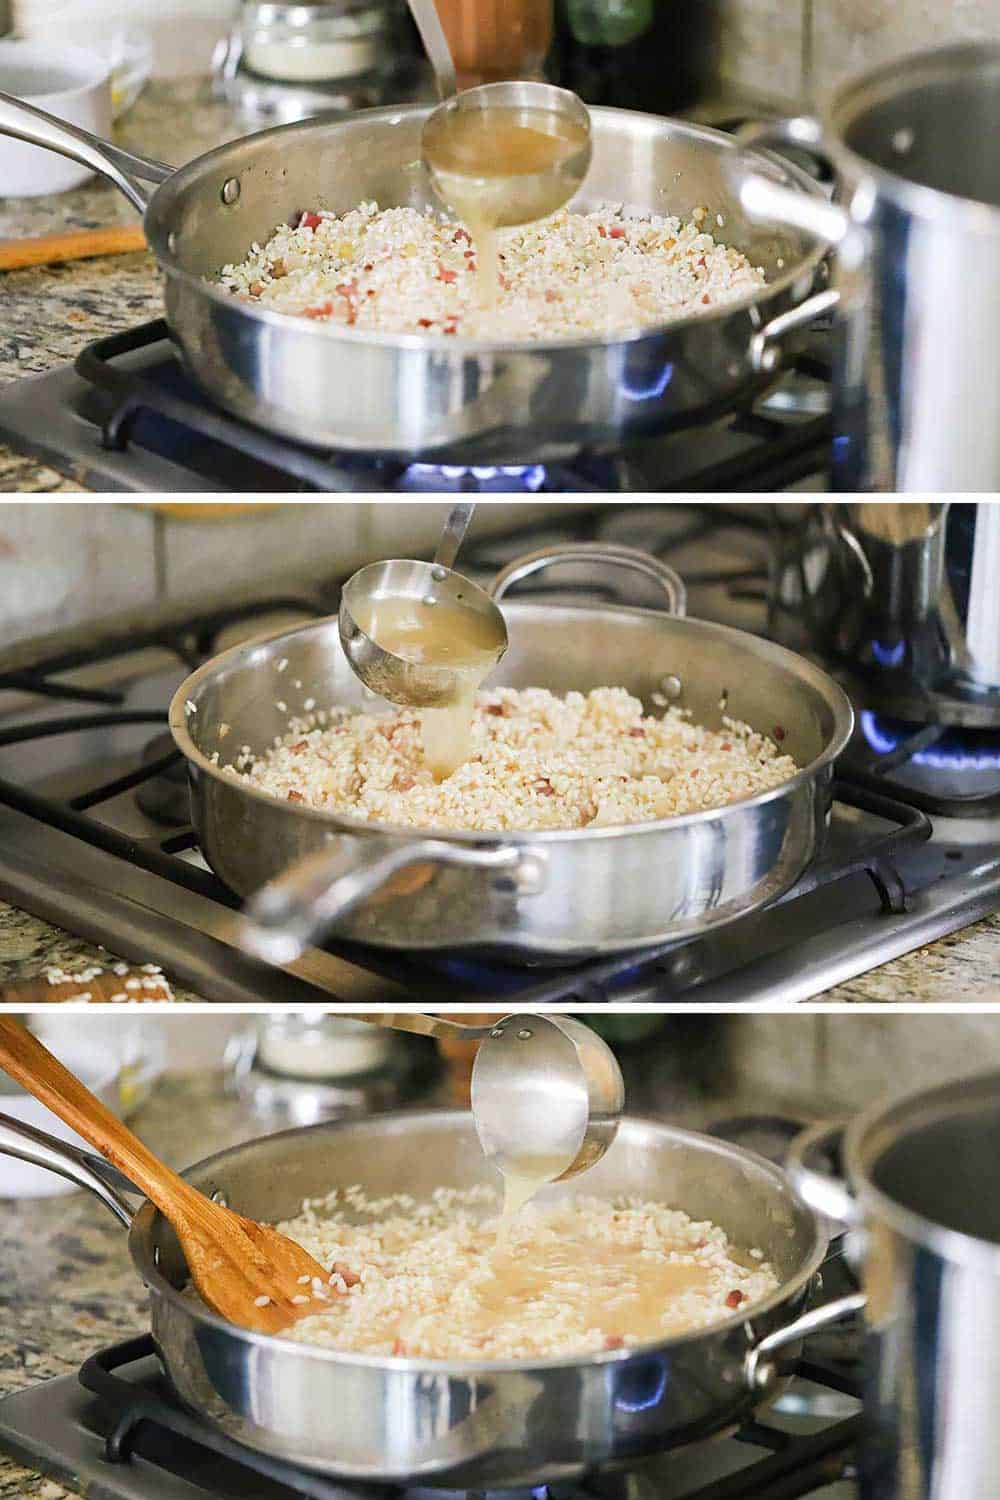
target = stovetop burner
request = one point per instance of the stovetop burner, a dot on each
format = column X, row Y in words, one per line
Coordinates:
column 115, row 1432
column 127, row 417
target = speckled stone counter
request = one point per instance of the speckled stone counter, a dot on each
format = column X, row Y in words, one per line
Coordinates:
column 67, row 1287
column 48, row 314
column 29, row 946
column 963, row 967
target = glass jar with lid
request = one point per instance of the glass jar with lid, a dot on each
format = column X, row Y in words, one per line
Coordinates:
column 316, row 41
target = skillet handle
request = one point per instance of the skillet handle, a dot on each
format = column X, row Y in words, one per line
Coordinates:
column 83, row 1168
column 283, row 918
column 611, row 554
column 27, row 123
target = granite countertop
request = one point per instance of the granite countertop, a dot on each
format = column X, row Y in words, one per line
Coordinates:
column 48, row 314
column 960, row 967
column 68, row 1287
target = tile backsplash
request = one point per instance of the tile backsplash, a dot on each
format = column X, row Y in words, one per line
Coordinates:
column 792, row 52
column 63, row 564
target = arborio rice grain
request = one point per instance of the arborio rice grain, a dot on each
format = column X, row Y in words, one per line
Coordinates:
column 538, row 762
column 400, row 270
column 434, row 1279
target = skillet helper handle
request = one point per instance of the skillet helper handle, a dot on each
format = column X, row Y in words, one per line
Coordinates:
column 610, row 554
column 40, row 1149
column 38, row 128
column 760, row 1369
column 283, row 918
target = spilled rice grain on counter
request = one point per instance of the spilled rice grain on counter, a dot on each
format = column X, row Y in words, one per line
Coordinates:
column 538, row 762
column 400, row 270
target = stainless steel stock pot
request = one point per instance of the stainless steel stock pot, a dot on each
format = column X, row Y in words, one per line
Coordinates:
column 916, row 267
column 555, row 896
column 461, row 1424
column 922, row 1191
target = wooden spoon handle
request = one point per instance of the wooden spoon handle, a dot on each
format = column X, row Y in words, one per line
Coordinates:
column 23, row 1058
column 80, row 244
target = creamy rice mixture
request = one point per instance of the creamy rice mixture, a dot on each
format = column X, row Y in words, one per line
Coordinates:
column 400, row 270
column 538, row 762
column 440, row 1279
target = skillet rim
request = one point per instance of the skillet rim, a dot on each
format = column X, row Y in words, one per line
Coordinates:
column 158, row 231
column 148, row 1216
column 827, row 687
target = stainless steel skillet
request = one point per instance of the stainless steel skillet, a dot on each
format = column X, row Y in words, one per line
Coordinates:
column 553, row 896
column 463, row 1425
column 412, row 395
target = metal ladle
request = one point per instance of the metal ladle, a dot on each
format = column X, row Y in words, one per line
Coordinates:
column 547, row 1091
column 415, row 684
column 525, row 197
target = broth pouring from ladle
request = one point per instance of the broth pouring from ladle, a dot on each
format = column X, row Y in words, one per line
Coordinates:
column 420, row 635
column 506, row 154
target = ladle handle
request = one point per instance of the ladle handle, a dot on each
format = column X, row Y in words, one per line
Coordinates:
column 453, row 535
column 435, row 44
column 612, row 554
column 418, row 1023
column 28, row 123
column 23, row 1058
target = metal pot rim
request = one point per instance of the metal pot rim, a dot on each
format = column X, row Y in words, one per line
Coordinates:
column 142, row 1225
column 157, row 223
column 820, row 680
column 871, row 1133
column 844, row 104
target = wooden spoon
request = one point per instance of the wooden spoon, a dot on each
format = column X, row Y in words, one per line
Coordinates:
column 245, row 1271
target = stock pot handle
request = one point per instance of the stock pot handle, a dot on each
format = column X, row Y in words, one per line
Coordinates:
column 38, row 128
column 772, row 202
column 828, row 1196
column 281, row 920
column 594, row 552
column 27, row 1143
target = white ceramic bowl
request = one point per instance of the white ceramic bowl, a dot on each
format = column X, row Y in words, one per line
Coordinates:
column 99, row 1068
column 66, row 81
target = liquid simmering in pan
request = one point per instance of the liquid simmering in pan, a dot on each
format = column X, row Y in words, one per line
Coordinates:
column 502, row 166
column 575, row 1276
column 439, row 635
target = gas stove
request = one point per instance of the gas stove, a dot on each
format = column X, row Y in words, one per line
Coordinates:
column 95, row 837
column 115, row 1432
column 126, row 418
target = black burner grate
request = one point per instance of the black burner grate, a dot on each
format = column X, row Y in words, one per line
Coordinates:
column 142, row 1418
column 152, row 404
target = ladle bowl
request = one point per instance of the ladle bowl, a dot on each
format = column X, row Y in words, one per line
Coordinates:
column 505, row 200
column 393, row 677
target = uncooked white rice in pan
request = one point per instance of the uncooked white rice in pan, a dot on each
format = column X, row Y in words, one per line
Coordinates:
column 441, row 1280
column 401, row 270
column 538, row 762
